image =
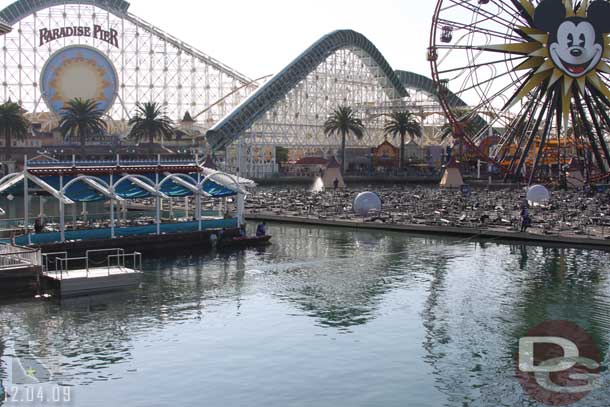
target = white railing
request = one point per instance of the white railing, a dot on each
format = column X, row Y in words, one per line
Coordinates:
column 15, row 256
column 125, row 261
column 51, row 261
column 60, row 263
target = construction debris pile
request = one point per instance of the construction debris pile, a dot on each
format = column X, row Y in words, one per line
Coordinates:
column 568, row 212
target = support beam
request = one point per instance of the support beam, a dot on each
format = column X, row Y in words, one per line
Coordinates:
column 41, row 201
column 198, row 203
column 11, row 180
column 530, row 140
column 179, row 181
column 26, row 200
column 157, row 205
column 545, row 134
column 112, row 223
column 599, row 129
column 55, row 193
column 589, row 132
column 145, row 186
column 108, row 193
column 62, row 201
column 241, row 209
column 234, row 183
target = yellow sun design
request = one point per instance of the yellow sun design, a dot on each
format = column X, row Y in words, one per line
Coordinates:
column 542, row 66
column 79, row 77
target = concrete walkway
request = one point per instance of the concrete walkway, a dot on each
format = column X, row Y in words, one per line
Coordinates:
column 566, row 240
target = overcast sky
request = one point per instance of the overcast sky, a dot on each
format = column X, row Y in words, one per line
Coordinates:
column 260, row 37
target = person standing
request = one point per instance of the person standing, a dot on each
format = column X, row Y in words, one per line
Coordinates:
column 261, row 230
column 525, row 219
column 38, row 226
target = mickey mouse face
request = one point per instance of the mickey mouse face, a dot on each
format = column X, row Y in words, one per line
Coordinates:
column 576, row 51
column 576, row 44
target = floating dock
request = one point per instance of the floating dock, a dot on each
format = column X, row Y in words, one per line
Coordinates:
column 117, row 271
column 20, row 269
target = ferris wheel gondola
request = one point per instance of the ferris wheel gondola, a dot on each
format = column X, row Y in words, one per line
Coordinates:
column 535, row 76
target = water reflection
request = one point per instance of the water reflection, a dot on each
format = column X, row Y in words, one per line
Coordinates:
column 347, row 272
column 480, row 305
column 387, row 306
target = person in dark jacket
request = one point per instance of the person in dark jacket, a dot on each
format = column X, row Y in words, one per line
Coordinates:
column 261, row 230
column 526, row 221
column 38, row 226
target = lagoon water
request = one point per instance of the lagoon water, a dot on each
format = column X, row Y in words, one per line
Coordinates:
column 323, row 317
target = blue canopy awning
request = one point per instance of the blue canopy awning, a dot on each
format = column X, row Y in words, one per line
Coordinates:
column 92, row 188
column 81, row 192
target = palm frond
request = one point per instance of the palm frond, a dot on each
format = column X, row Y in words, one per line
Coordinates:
column 403, row 123
column 82, row 118
column 344, row 121
column 13, row 121
column 150, row 121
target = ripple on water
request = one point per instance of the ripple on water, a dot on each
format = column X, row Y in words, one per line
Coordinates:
column 321, row 317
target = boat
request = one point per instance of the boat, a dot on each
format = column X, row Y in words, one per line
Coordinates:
column 245, row 241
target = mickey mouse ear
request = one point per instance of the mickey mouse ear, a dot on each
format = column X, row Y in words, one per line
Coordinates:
column 599, row 15
column 549, row 14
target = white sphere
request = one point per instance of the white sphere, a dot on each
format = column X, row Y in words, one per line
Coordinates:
column 538, row 194
column 367, row 203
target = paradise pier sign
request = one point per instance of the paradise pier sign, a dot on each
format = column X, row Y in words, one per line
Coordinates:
column 59, row 50
column 110, row 36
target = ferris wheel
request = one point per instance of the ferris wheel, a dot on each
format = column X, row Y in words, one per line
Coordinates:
column 524, row 83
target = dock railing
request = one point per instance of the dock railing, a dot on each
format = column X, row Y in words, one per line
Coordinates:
column 15, row 256
column 51, row 262
column 130, row 260
column 60, row 263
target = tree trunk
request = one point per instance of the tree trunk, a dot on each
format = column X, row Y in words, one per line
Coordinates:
column 82, row 138
column 343, row 137
column 8, row 144
column 401, row 164
column 151, row 141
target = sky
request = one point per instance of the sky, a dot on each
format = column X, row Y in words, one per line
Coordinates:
column 261, row 37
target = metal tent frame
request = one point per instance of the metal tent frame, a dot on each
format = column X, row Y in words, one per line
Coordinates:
column 193, row 179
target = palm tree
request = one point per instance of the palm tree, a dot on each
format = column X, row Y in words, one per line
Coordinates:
column 13, row 125
column 403, row 123
column 343, row 121
column 150, row 121
column 81, row 118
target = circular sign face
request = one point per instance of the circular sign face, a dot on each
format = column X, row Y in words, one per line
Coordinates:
column 78, row 72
